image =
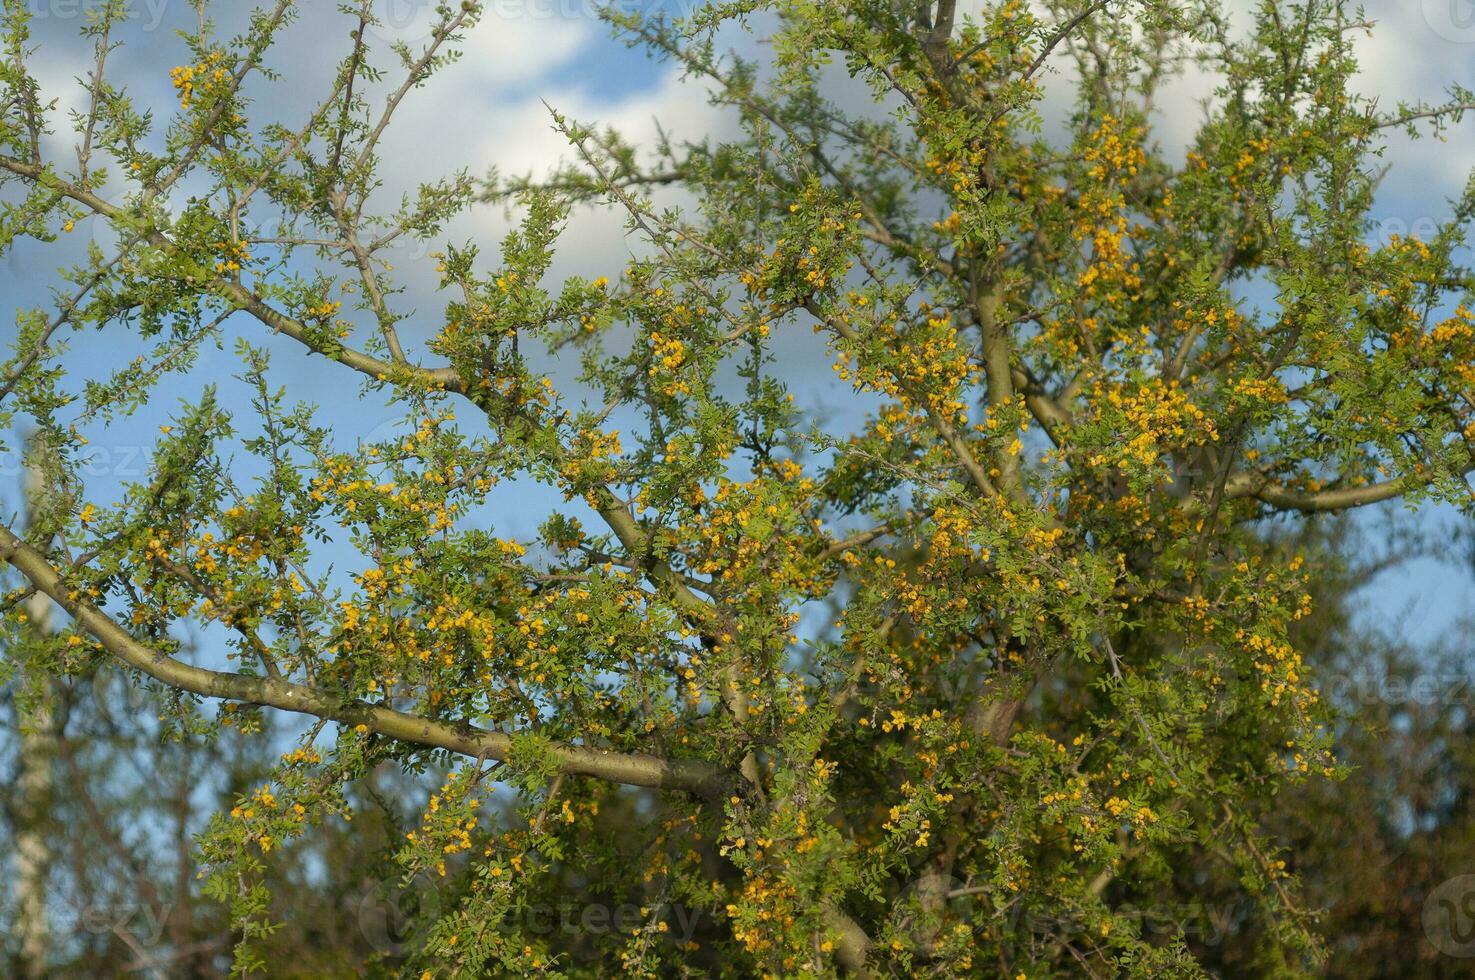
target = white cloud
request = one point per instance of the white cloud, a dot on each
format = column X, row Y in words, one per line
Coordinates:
column 515, row 39
column 58, row 77
column 512, row 46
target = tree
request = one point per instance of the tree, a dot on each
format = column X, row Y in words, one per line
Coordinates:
column 36, row 724
column 1404, row 811
column 1370, row 852
column 952, row 681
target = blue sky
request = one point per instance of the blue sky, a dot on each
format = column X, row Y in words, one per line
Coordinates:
column 488, row 110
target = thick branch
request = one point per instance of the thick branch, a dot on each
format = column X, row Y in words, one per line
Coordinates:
column 1254, row 485
column 632, row 769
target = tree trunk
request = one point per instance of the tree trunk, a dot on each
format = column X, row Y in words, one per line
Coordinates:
column 35, row 713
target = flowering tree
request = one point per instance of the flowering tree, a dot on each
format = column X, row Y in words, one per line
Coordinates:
column 947, row 682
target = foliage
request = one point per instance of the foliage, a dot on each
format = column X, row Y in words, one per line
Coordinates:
column 952, row 681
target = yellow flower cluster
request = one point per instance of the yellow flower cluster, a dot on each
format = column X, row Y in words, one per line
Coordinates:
column 1267, row 391
column 1114, row 149
column 929, row 369
column 1158, row 416
column 206, row 74
column 1281, row 665
column 232, row 256
column 669, row 353
column 726, row 531
column 1453, row 335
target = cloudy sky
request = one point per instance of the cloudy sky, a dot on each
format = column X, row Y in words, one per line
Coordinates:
column 489, row 110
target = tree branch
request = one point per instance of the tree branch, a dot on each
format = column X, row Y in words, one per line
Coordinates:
column 1259, row 487
column 692, row 775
